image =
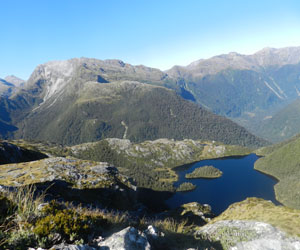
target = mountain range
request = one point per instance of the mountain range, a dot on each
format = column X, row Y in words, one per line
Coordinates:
column 123, row 129
column 82, row 100
column 248, row 89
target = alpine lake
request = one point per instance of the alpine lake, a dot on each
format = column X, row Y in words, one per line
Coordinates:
column 238, row 181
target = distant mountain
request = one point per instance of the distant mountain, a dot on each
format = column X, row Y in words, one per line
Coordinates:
column 9, row 85
column 16, row 81
column 82, row 100
column 245, row 88
column 284, row 124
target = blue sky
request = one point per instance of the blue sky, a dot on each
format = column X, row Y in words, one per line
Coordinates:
column 155, row 33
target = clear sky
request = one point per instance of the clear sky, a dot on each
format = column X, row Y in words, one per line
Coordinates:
column 156, row 33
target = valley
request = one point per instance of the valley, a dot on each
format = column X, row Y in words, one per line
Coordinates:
column 96, row 148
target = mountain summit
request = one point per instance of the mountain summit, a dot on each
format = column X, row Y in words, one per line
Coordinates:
column 245, row 88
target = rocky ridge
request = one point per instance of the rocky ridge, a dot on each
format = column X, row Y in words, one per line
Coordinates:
column 166, row 152
column 248, row 89
column 152, row 163
column 73, row 180
column 258, row 61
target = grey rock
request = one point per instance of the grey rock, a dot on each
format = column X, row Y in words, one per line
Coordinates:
column 268, row 244
column 248, row 235
column 72, row 247
column 152, row 232
column 127, row 239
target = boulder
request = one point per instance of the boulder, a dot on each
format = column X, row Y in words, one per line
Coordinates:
column 127, row 239
column 247, row 235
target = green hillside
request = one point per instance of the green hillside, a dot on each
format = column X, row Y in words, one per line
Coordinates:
column 284, row 124
column 82, row 100
column 248, row 89
column 130, row 110
column 283, row 162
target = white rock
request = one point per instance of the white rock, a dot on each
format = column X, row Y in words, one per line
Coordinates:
column 128, row 238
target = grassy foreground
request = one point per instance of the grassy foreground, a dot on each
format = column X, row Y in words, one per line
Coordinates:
column 25, row 221
column 287, row 219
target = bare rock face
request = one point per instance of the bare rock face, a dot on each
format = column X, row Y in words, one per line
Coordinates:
column 250, row 235
column 128, row 238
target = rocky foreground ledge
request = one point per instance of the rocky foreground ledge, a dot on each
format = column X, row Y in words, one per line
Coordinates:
column 73, row 180
column 233, row 235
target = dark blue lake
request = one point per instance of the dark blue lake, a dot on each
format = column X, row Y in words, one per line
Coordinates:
column 239, row 181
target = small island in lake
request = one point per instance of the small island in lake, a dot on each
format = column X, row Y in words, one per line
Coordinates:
column 205, row 172
column 186, row 186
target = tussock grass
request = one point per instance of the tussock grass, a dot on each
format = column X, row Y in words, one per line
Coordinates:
column 26, row 201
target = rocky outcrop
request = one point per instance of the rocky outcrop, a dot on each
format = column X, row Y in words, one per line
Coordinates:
column 97, row 183
column 250, row 235
column 152, row 163
column 193, row 213
column 128, row 238
column 163, row 152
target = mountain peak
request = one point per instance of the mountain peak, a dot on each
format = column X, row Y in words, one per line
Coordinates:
column 272, row 56
column 14, row 80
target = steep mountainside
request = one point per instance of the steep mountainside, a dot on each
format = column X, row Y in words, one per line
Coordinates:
column 284, row 124
column 283, row 162
column 246, row 88
column 82, row 100
column 128, row 110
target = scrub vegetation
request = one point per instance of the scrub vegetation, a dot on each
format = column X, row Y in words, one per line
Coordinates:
column 283, row 162
column 204, row 172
